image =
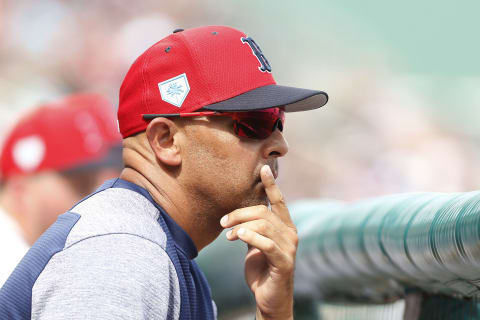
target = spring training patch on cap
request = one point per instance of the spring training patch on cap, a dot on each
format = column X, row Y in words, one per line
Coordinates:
column 174, row 90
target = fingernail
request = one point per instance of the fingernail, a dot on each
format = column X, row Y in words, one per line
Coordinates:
column 241, row 231
column 224, row 220
column 269, row 171
column 229, row 233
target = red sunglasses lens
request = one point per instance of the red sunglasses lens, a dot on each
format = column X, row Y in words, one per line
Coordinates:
column 259, row 124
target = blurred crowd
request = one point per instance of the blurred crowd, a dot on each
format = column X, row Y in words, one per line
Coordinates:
column 52, row 47
column 375, row 136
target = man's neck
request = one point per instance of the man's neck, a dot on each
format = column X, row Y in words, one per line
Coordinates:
column 168, row 194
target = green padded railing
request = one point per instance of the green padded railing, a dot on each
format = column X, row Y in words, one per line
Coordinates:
column 373, row 250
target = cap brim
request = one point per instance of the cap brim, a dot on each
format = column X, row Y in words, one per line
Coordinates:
column 293, row 99
column 111, row 159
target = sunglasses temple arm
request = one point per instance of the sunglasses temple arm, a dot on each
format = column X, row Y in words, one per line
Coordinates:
column 171, row 115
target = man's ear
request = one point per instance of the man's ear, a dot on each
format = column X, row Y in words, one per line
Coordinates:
column 17, row 190
column 161, row 136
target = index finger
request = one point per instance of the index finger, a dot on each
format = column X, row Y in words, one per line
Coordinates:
column 275, row 196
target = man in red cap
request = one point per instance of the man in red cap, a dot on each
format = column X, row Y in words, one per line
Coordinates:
column 202, row 118
column 53, row 157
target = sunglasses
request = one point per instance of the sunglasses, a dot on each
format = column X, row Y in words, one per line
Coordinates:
column 259, row 124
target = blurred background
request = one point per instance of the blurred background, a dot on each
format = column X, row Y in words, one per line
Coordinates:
column 403, row 79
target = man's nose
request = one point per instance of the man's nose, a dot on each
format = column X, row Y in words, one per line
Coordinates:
column 275, row 145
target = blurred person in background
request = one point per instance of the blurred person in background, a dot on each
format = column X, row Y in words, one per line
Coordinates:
column 53, row 157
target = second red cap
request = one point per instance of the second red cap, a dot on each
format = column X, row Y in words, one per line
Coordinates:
column 75, row 131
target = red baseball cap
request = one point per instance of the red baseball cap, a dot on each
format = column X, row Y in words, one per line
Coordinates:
column 215, row 68
column 76, row 131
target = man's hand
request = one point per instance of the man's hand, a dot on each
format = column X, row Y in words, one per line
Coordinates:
column 272, row 245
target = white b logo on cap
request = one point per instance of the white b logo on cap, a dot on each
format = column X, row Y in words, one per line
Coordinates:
column 28, row 153
column 174, row 90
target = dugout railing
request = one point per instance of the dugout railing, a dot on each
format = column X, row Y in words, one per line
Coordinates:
column 413, row 256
